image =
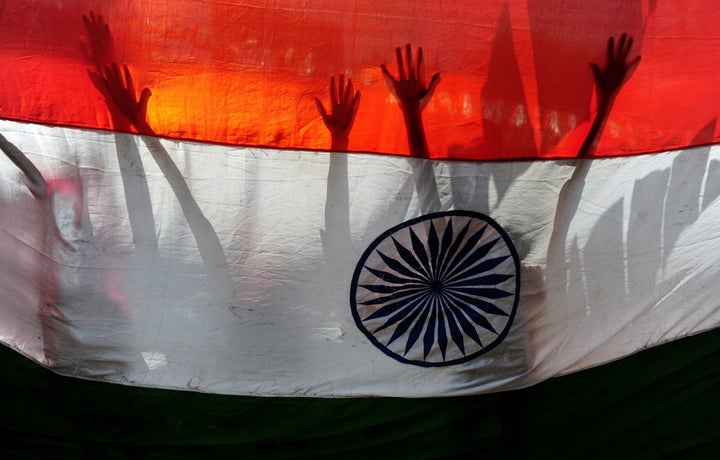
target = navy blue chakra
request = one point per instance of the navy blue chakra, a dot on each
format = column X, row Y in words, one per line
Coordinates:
column 437, row 290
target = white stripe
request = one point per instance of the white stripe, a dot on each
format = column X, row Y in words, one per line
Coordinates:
column 247, row 289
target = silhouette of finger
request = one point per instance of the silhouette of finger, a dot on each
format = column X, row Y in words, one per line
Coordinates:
column 389, row 80
column 410, row 66
column 347, row 97
column 427, row 95
column 341, row 89
column 110, row 80
column 114, row 78
column 597, row 73
column 333, row 93
column 90, row 24
column 144, row 97
column 356, row 104
column 401, row 68
column 634, row 62
column 100, row 83
column 431, row 87
column 434, row 82
column 388, row 76
column 420, row 69
column 119, row 90
column 321, row 109
column 99, row 49
column 628, row 47
column 621, row 46
column 129, row 83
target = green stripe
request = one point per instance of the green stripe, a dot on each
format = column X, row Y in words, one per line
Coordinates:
column 659, row 403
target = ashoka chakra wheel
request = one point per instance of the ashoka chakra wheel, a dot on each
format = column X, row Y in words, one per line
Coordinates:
column 437, row 290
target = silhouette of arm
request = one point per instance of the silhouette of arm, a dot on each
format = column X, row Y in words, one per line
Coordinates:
column 344, row 104
column 607, row 86
column 608, row 82
column 100, row 52
column 119, row 89
column 34, row 180
column 412, row 95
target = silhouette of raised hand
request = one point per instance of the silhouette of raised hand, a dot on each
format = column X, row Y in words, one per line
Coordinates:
column 101, row 49
column 130, row 109
column 344, row 104
column 118, row 88
column 608, row 81
column 413, row 95
column 115, row 85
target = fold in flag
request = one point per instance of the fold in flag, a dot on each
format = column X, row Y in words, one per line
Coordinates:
column 230, row 254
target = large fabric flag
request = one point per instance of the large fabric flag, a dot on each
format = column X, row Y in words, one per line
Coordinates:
column 196, row 233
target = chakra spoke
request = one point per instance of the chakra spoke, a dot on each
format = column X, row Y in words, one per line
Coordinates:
column 455, row 333
column 487, row 280
column 392, row 308
column 447, row 240
column 475, row 316
column 450, row 255
column 410, row 259
column 471, row 259
column 385, row 289
column 466, row 325
column 400, row 268
column 401, row 313
column 405, row 324
column 433, row 245
column 389, row 277
column 429, row 338
column 420, row 253
column 400, row 295
column 415, row 333
column 442, row 334
column 475, row 303
column 488, row 293
column 470, row 243
column 482, row 267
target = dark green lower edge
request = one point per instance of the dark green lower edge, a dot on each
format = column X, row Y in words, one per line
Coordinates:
column 660, row 403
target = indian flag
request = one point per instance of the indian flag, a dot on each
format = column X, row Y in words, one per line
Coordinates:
column 526, row 200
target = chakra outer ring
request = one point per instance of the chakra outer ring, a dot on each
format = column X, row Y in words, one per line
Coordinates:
column 475, row 232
